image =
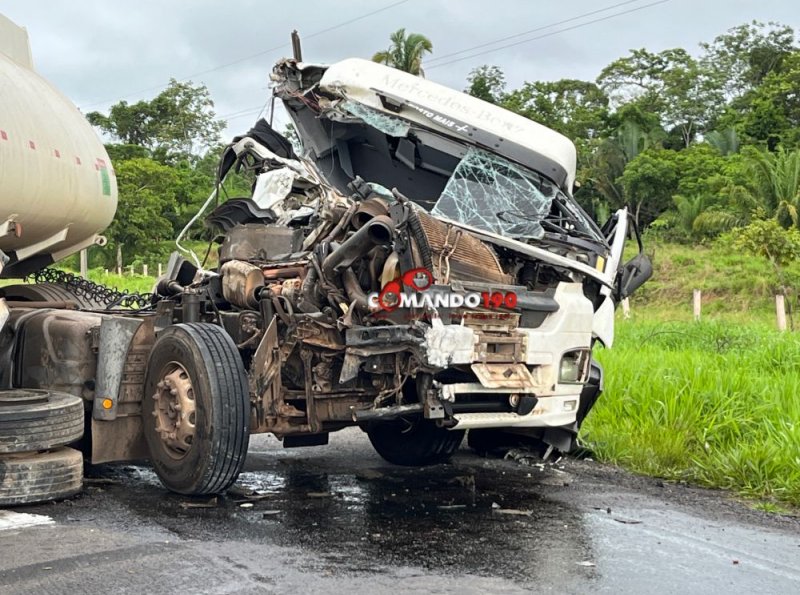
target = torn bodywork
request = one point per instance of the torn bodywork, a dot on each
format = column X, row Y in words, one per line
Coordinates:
column 420, row 257
column 418, row 267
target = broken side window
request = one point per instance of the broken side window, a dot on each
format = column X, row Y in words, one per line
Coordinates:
column 495, row 195
column 371, row 117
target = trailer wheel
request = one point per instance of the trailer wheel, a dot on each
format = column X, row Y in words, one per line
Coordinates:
column 48, row 292
column 32, row 420
column 413, row 442
column 196, row 409
column 35, row 477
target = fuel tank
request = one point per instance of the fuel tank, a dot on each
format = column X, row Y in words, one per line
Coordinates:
column 58, row 191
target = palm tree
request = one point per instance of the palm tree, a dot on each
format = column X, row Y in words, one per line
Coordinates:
column 611, row 156
column 776, row 178
column 726, row 141
column 406, row 52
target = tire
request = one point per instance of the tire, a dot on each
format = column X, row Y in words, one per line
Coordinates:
column 47, row 292
column 413, row 442
column 494, row 440
column 484, row 441
column 32, row 420
column 201, row 363
column 36, row 477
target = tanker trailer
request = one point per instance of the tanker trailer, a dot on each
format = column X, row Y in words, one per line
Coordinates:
column 58, row 189
column 57, row 194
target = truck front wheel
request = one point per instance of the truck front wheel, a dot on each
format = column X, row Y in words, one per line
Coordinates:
column 196, row 409
column 413, row 441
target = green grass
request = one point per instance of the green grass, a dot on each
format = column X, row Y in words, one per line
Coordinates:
column 714, row 403
column 732, row 283
column 125, row 283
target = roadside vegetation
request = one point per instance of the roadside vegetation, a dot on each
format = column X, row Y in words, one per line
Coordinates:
column 714, row 403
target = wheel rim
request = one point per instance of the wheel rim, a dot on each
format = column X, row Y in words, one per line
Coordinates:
column 175, row 410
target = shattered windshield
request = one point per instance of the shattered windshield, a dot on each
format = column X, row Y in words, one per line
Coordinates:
column 490, row 193
column 496, row 195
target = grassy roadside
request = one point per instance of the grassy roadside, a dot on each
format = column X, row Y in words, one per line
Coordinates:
column 714, row 403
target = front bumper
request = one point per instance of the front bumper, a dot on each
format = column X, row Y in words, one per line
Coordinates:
column 549, row 412
column 515, row 379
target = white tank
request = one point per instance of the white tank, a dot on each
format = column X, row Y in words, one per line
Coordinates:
column 57, row 187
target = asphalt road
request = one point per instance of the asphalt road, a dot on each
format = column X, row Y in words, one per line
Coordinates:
column 339, row 519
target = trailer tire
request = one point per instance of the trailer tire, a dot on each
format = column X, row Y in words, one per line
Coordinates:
column 413, row 442
column 35, row 477
column 199, row 447
column 32, row 420
column 48, row 292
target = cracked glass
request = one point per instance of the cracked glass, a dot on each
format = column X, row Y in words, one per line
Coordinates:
column 386, row 124
column 495, row 195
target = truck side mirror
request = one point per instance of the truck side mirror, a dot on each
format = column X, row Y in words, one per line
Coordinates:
column 633, row 274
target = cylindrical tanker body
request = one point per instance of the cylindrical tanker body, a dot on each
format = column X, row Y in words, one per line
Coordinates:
column 57, row 187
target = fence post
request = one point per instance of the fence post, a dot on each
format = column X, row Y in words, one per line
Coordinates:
column 131, row 267
column 696, row 303
column 144, row 270
column 84, row 263
column 159, row 270
column 626, row 308
column 780, row 311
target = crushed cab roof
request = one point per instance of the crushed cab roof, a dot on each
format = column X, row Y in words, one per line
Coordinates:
column 454, row 113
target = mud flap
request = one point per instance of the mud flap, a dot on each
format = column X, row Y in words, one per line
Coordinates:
column 117, row 431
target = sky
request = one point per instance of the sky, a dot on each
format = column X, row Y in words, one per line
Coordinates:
column 100, row 52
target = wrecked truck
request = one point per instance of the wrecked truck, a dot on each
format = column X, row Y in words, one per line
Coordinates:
column 417, row 268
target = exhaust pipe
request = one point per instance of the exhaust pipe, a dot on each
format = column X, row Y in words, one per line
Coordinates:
column 378, row 231
column 355, row 293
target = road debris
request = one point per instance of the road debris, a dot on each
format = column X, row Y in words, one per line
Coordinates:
column 212, row 503
column 513, row 511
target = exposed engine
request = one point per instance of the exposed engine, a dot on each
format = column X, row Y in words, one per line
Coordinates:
column 398, row 270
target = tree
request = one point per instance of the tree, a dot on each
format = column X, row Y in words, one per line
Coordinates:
column 178, row 123
column 744, row 56
column 776, row 184
column 577, row 109
column 487, row 83
column 670, row 83
column 770, row 114
column 607, row 162
column 650, row 180
column 147, row 198
column 701, row 172
column 706, row 201
column 725, row 141
column 688, row 210
column 406, row 52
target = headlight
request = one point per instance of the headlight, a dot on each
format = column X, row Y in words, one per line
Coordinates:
column 574, row 366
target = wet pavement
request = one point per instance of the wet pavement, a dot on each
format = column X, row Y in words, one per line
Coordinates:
column 339, row 519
